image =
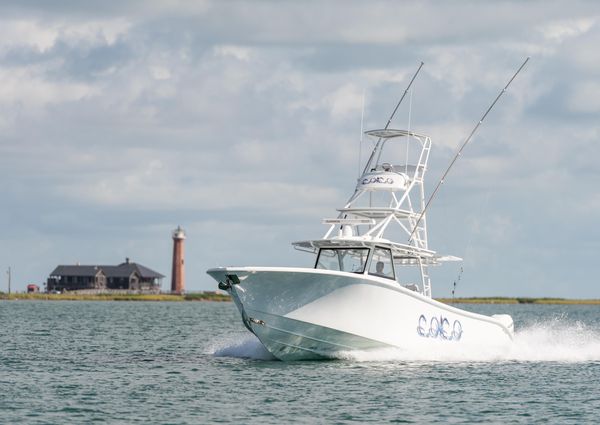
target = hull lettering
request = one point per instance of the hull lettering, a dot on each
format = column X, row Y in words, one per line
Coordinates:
column 439, row 327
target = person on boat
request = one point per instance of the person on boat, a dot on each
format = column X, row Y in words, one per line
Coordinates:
column 379, row 269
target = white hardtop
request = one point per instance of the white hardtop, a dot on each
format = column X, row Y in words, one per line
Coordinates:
column 389, row 133
column 403, row 254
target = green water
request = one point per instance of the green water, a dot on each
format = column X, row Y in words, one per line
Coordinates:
column 134, row 362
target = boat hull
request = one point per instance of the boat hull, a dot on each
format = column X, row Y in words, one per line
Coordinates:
column 302, row 314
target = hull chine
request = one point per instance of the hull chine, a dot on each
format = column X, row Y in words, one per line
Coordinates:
column 292, row 340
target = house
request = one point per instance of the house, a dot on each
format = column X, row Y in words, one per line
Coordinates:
column 32, row 288
column 127, row 276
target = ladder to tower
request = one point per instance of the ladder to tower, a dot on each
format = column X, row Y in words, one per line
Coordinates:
column 425, row 280
column 420, row 232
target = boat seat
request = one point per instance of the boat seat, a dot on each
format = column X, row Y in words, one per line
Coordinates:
column 412, row 287
column 404, row 169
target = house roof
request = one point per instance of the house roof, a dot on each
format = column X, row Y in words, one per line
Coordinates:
column 122, row 270
column 126, row 269
column 75, row 271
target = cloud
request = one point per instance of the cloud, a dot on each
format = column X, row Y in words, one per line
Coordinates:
column 27, row 87
column 15, row 33
column 585, row 98
column 42, row 35
column 118, row 122
column 560, row 30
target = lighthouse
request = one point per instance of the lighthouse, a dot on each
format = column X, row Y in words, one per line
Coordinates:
column 178, row 270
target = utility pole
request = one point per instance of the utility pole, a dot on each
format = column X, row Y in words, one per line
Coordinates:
column 8, row 272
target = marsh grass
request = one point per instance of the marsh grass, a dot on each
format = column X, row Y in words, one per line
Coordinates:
column 213, row 296
column 518, row 300
column 193, row 296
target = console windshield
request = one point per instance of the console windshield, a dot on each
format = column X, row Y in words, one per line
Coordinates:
column 343, row 259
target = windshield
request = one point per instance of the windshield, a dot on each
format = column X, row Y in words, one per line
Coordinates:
column 343, row 259
column 381, row 264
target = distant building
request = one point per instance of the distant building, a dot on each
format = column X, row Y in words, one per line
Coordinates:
column 178, row 269
column 32, row 288
column 126, row 276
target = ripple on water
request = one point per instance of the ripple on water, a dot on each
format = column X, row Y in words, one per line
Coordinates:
column 195, row 363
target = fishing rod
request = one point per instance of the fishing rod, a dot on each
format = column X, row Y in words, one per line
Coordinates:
column 459, row 153
column 392, row 116
column 403, row 95
column 456, row 282
column 468, row 245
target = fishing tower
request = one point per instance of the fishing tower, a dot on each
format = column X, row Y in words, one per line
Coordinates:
column 390, row 198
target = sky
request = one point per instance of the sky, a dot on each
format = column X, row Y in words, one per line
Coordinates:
column 240, row 121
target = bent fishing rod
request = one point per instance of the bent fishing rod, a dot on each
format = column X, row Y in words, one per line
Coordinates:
column 459, row 152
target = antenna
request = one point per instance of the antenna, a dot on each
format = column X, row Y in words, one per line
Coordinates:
column 8, row 272
column 362, row 119
column 392, row 116
column 408, row 135
column 459, row 152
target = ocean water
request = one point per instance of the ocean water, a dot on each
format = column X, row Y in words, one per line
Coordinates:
column 180, row 363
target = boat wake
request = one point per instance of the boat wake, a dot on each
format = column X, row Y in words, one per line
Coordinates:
column 551, row 341
column 245, row 346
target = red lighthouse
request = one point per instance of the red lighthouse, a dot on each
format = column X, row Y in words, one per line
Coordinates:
column 178, row 270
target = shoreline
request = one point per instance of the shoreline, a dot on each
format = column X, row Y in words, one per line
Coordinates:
column 217, row 297
column 193, row 296
column 519, row 300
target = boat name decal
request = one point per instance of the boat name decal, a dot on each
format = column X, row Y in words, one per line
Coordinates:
column 386, row 180
column 439, row 328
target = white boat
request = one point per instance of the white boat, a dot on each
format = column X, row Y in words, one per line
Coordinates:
column 365, row 291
